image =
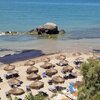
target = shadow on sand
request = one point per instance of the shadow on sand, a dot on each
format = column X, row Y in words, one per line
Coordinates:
column 24, row 55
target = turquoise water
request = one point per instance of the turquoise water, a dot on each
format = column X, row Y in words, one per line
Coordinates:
column 79, row 18
column 24, row 15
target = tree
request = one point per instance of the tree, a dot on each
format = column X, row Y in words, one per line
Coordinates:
column 15, row 98
column 39, row 96
column 89, row 90
column 30, row 96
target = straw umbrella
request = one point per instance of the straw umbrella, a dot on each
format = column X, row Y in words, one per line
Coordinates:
column 32, row 69
column 29, row 63
column 79, row 60
column 67, row 69
column 37, row 85
column 58, row 79
column 33, row 76
column 46, row 59
column 47, row 65
column 62, row 63
column 14, row 81
column 61, row 57
column 73, row 74
column 51, row 71
column 16, row 91
column 9, row 67
column 76, row 54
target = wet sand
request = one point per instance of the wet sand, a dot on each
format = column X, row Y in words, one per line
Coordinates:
column 51, row 46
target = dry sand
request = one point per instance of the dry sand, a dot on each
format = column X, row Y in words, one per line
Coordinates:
column 39, row 61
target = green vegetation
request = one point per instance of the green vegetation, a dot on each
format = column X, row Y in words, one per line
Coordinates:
column 90, row 89
column 30, row 96
column 36, row 97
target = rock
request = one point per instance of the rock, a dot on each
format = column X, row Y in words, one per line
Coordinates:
column 11, row 33
column 48, row 28
column 62, row 31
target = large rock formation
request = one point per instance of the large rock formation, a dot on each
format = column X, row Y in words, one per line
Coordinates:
column 48, row 28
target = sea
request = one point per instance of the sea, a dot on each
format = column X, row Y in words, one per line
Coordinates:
column 79, row 18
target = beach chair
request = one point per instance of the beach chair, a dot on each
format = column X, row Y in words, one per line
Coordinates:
column 43, row 93
column 28, row 89
column 1, row 80
column 50, row 82
column 52, row 89
column 44, row 75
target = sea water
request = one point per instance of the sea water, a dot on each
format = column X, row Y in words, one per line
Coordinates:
column 79, row 18
column 24, row 15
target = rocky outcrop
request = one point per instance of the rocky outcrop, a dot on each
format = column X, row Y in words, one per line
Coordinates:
column 11, row 33
column 48, row 28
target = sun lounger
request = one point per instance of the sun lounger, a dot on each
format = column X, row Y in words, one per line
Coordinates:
column 1, row 80
column 50, row 82
column 44, row 75
column 43, row 93
column 52, row 89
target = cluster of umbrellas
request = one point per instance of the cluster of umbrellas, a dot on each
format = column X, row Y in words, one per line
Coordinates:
column 33, row 76
column 13, row 81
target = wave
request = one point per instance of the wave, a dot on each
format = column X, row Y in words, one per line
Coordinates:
column 2, row 33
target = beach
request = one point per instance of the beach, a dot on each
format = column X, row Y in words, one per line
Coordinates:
column 43, row 44
column 21, row 69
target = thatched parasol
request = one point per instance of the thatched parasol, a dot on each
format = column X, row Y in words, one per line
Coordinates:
column 9, row 67
column 58, row 79
column 32, row 69
column 61, row 57
column 47, row 59
column 73, row 74
column 29, row 63
column 37, row 85
column 14, row 81
column 51, row 71
column 16, row 91
column 62, row 63
column 67, row 69
column 33, row 76
column 80, row 59
column 76, row 54
column 47, row 65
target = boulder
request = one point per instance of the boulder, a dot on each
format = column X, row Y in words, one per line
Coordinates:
column 48, row 28
column 11, row 33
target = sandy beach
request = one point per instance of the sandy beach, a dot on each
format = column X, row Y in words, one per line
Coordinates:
column 21, row 69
